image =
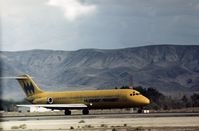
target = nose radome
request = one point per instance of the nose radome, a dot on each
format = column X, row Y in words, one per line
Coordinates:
column 146, row 101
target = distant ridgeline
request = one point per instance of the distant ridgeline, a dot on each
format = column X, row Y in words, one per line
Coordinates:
column 168, row 68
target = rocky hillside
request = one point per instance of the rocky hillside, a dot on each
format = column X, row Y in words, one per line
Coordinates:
column 169, row 68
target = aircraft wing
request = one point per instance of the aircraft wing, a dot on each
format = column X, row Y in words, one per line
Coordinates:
column 57, row 106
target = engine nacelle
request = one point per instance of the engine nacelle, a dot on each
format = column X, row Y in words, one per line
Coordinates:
column 46, row 100
column 50, row 100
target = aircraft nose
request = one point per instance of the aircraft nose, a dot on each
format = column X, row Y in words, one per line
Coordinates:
column 146, row 101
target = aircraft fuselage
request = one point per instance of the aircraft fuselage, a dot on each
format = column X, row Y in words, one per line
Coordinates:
column 96, row 99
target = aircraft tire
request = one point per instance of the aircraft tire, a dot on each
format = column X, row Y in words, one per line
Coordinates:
column 67, row 112
column 140, row 110
column 85, row 111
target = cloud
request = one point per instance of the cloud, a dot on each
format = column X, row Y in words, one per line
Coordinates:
column 73, row 8
column 41, row 24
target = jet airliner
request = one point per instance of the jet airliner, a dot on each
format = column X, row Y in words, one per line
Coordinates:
column 83, row 100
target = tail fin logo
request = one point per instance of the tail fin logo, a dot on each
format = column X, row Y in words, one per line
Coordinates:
column 28, row 87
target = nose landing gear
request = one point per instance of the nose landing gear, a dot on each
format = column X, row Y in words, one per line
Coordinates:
column 140, row 110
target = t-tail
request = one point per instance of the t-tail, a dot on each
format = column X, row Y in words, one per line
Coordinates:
column 28, row 85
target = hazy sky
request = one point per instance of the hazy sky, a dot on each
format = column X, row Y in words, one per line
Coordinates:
column 104, row 24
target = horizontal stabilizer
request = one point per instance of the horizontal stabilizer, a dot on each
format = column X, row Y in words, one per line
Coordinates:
column 14, row 77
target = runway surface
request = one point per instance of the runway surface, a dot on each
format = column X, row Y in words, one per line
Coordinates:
column 91, row 116
column 98, row 121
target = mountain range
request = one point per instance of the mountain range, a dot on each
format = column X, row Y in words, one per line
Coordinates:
column 168, row 68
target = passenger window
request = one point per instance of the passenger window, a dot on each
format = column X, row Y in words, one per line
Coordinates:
column 130, row 94
column 137, row 93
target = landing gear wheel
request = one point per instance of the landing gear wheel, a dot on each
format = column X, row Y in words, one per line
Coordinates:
column 85, row 111
column 140, row 110
column 67, row 112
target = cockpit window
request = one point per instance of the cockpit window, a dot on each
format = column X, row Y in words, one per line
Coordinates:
column 134, row 93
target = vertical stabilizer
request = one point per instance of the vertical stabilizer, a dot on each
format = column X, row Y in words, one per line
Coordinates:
column 28, row 85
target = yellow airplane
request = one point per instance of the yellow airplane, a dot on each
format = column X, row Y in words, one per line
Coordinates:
column 84, row 100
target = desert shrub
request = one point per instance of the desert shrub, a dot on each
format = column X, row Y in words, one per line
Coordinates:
column 82, row 121
column 14, row 127
column 104, row 125
column 23, row 126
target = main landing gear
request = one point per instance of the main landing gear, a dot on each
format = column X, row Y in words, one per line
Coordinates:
column 143, row 110
column 85, row 111
column 67, row 112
